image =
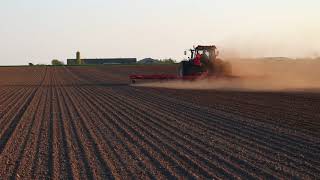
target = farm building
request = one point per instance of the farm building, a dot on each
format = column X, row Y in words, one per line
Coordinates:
column 103, row 61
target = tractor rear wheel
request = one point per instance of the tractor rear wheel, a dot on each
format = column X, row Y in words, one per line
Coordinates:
column 182, row 68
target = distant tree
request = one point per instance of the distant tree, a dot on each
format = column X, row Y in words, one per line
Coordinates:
column 56, row 62
column 149, row 61
column 168, row 61
column 30, row 64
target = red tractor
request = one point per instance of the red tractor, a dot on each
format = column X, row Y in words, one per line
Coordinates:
column 202, row 63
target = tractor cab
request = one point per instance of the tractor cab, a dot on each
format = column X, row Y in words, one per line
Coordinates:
column 210, row 51
column 200, row 62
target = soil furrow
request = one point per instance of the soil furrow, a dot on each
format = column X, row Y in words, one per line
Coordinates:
column 155, row 120
column 61, row 154
column 244, row 123
column 11, row 101
column 180, row 114
column 11, row 105
column 136, row 132
column 136, row 149
column 22, row 157
column 79, row 126
column 121, row 145
column 5, row 136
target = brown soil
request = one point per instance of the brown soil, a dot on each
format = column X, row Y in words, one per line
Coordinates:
column 88, row 123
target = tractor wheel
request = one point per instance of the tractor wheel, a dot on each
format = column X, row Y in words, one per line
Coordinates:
column 182, row 68
column 180, row 71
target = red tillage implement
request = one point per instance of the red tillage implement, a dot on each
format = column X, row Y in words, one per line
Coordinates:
column 135, row 77
column 153, row 76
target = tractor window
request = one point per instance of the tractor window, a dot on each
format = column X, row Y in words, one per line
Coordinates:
column 207, row 53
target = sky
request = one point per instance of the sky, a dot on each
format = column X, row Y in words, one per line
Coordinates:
column 38, row 31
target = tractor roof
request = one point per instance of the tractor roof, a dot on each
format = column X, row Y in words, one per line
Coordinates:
column 199, row 48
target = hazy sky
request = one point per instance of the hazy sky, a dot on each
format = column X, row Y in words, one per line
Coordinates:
column 39, row 30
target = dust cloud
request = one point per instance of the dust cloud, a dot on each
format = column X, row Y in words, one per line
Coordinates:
column 258, row 75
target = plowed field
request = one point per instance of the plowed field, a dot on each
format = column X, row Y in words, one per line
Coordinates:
column 88, row 123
